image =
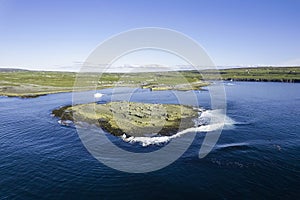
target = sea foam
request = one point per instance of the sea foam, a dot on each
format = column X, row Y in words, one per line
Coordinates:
column 204, row 123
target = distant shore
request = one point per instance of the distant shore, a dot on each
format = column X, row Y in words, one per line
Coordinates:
column 30, row 84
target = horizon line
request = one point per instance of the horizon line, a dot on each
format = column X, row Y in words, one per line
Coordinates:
column 184, row 69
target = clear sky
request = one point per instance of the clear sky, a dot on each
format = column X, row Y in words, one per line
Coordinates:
column 58, row 34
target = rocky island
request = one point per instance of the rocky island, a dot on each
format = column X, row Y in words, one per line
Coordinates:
column 131, row 118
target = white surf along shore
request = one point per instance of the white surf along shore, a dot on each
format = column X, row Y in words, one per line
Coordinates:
column 203, row 123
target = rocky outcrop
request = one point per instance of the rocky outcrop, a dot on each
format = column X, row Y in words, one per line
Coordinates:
column 131, row 118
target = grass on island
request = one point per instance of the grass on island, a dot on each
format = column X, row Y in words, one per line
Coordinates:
column 24, row 83
column 131, row 118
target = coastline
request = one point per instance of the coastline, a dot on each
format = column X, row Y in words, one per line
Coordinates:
column 31, row 84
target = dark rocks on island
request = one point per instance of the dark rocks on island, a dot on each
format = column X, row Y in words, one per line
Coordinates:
column 131, row 118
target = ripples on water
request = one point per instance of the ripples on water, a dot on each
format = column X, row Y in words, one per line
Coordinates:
column 258, row 157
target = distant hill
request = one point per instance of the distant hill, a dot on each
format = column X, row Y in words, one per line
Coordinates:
column 12, row 70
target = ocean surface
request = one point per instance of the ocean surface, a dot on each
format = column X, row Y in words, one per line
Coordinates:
column 258, row 157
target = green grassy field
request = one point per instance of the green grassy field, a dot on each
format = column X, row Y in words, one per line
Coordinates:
column 275, row 74
column 23, row 83
column 35, row 83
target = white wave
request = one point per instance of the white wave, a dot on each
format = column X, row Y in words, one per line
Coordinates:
column 146, row 141
column 65, row 122
column 229, row 84
column 98, row 95
column 220, row 121
column 217, row 117
column 232, row 145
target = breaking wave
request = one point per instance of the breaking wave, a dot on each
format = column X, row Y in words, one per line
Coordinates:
column 234, row 146
column 209, row 120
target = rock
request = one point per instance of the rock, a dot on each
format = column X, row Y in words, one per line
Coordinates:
column 134, row 119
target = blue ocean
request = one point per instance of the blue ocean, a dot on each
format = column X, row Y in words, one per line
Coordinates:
column 258, row 157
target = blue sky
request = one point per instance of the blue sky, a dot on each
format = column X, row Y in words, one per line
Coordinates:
column 58, row 34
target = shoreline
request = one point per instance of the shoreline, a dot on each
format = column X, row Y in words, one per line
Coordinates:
column 35, row 95
column 32, row 84
column 132, row 118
